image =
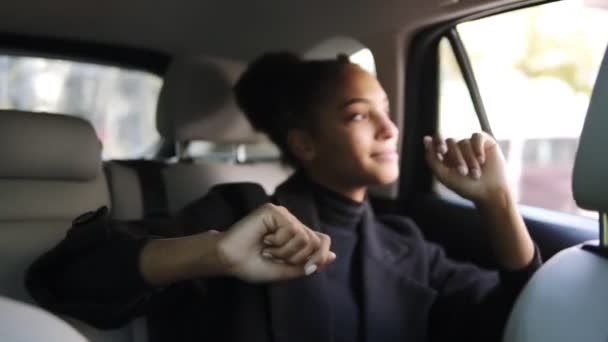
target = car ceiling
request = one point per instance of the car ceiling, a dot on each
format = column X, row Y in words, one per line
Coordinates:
column 228, row 28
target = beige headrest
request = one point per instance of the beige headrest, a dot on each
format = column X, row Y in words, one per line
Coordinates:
column 197, row 103
column 590, row 179
column 47, row 146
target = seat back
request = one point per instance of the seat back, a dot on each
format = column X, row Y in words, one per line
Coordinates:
column 50, row 174
column 566, row 300
column 48, row 327
column 196, row 104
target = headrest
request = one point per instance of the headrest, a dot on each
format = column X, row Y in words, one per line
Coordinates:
column 590, row 180
column 196, row 102
column 47, row 146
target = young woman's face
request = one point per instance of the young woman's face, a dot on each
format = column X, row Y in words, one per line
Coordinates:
column 355, row 142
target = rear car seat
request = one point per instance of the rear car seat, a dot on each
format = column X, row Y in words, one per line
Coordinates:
column 50, row 174
column 196, row 104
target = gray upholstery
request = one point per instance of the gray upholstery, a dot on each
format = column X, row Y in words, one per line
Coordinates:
column 40, row 198
column 196, row 103
column 186, row 182
column 25, row 323
column 125, row 191
column 41, row 146
column 566, row 300
column 591, row 166
column 24, row 199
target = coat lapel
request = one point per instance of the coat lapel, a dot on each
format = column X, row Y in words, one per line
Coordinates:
column 395, row 307
column 299, row 310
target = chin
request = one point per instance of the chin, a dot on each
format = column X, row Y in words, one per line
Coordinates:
column 386, row 175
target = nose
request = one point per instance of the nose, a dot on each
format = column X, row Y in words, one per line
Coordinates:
column 386, row 128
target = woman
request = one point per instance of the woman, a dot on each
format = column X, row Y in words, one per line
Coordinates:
column 316, row 265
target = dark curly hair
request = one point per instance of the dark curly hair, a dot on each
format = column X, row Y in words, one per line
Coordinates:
column 280, row 91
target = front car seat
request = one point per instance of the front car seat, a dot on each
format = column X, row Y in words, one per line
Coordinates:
column 566, row 300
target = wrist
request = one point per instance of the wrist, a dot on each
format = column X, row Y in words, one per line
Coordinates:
column 495, row 198
column 213, row 260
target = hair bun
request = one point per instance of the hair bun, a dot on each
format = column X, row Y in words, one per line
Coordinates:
column 269, row 76
column 277, row 60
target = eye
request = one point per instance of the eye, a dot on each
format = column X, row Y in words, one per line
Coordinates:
column 359, row 117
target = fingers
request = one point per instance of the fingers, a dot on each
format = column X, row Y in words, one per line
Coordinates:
column 465, row 157
column 478, row 142
column 291, row 242
column 297, row 249
column 313, row 256
column 275, row 217
column 439, row 146
column 434, row 158
column 470, row 159
column 281, row 225
column 323, row 256
column 455, row 159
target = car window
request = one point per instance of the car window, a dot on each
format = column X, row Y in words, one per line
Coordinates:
column 535, row 73
column 120, row 103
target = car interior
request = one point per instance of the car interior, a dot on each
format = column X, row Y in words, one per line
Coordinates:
column 129, row 105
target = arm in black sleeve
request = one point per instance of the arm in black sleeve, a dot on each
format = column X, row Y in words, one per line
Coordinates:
column 473, row 304
column 94, row 275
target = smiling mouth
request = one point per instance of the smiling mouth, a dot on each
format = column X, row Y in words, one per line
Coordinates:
column 386, row 155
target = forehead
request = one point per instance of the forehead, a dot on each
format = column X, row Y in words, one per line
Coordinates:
column 355, row 82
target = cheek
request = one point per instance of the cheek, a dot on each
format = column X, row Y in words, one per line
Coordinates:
column 349, row 147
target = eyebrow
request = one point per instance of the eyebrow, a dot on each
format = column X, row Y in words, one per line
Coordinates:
column 359, row 100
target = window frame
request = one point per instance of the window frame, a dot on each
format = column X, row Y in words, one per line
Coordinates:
column 141, row 59
column 468, row 75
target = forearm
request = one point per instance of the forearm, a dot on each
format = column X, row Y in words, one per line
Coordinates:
column 507, row 231
column 166, row 261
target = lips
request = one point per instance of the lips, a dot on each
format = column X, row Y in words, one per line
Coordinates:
column 386, row 154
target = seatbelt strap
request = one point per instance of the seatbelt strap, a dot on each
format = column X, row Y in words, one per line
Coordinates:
column 152, row 184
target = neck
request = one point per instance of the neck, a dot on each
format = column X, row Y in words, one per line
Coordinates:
column 354, row 192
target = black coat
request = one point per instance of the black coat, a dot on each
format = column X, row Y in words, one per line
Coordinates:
column 411, row 291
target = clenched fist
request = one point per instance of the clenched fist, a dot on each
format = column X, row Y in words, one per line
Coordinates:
column 271, row 244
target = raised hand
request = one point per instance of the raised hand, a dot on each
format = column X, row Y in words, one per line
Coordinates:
column 474, row 168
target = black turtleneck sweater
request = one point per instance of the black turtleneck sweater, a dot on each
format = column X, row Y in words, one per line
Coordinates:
column 340, row 217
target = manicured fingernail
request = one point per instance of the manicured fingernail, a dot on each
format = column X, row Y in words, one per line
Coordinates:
column 266, row 254
column 443, row 148
column 310, row 269
column 463, row 170
column 482, row 159
column 427, row 142
column 333, row 255
column 440, row 156
column 267, row 242
column 476, row 173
